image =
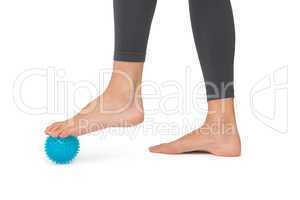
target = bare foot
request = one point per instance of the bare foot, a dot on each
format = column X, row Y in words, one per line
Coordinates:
column 218, row 136
column 92, row 118
column 119, row 106
column 203, row 140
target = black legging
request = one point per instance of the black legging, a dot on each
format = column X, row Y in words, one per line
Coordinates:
column 213, row 30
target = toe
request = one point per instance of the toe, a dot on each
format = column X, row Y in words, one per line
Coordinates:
column 154, row 149
column 166, row 148
column 50, row 128
column 55, row 129
column 58, row 130
column 67, row 132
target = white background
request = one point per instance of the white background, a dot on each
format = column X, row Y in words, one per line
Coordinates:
column 76, row 39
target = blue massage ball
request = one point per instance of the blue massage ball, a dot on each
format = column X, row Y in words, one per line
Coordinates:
column 62, row 150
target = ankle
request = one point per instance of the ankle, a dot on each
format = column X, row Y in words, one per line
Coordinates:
column 221, row 110
column 125, row 83
column 222, row 123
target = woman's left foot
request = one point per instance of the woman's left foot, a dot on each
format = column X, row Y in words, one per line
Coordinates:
column 218, row 136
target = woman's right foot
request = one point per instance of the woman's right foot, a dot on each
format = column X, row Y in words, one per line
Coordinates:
column 119, row 106
column 93, row 118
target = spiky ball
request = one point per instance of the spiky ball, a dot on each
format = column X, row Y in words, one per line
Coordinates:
column 62, row 150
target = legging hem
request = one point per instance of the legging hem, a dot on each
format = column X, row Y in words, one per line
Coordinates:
column 219, row 98
column 129, row 56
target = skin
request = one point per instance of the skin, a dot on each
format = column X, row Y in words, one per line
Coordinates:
column 121, row 105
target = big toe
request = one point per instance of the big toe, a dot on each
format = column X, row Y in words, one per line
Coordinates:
column 68, row 131
column 54, row 129
column 166, row 148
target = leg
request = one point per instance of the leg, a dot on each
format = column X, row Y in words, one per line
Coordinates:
column 132, row 26
column 120, row 105
column 213, row 30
